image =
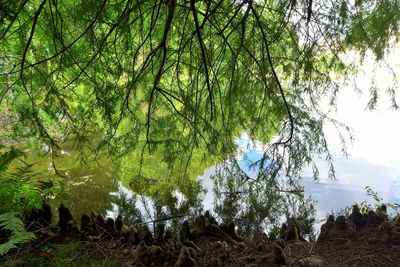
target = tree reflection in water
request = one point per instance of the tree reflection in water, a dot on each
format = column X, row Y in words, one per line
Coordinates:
column 256, row 205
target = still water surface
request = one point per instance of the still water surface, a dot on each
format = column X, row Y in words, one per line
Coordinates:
column 374, row 161
column 99, row 187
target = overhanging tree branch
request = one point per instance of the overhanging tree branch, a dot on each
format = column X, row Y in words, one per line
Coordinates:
column 203, row 56
column 282, row 93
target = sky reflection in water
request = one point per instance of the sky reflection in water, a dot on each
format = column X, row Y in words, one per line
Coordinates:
column 374, row 157
column 353, row 174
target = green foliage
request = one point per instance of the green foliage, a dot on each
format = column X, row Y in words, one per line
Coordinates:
column 10, row 221
column 379, row 201
column 176, row 76
column 375, row 26
column 373, row 194
column 19, row 192
column 6, row 158
column 365, row 207
column 19, row 195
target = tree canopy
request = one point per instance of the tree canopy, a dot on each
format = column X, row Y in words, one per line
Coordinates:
column 181, row 75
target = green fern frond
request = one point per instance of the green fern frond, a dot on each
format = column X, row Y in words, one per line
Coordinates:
column 18, row 191
column 11, row 222
column 7, row 157
column 15, row 194
column 24, row 172
column 14, row 241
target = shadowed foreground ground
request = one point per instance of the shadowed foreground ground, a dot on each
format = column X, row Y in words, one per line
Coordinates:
column 359, row 240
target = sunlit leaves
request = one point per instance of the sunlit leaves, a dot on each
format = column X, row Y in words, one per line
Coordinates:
column 175, row 76
column 375, row 26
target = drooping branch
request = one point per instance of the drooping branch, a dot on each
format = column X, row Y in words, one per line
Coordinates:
column 282, row 93
column 22, row 78
column 163, row 46
column 15, row 17
column 203, row 55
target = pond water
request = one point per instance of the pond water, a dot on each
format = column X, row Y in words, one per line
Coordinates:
column 111, row 188
column 104, row 185
column 100, row 185
column 374, row 159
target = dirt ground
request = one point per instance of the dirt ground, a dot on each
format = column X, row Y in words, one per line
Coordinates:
column 370, row 239
column 209, row 251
